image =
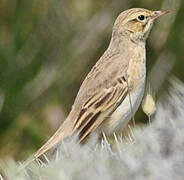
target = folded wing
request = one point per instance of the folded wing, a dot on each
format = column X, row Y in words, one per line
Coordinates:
column 99, row 107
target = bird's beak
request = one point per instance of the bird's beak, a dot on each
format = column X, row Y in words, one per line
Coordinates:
column 157, row 14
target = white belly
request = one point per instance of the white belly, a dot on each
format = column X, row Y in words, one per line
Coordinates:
column 125, row 111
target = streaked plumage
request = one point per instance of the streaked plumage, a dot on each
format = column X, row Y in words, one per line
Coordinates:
column 103, row 100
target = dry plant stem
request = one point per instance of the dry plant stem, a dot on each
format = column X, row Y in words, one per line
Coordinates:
column 117, row 143
column 149, row 118
column 133, row 118
column 132, row 134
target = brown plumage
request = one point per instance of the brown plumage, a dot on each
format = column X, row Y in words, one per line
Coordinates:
column 112, row 91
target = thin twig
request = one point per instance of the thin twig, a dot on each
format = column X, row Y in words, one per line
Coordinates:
column 130, row 101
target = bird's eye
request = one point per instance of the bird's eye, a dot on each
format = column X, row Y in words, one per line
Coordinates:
column 141, row 17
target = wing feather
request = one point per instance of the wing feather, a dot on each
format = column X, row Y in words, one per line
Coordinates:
column 98, row 108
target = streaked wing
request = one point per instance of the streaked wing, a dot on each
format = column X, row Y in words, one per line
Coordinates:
column 98, row 107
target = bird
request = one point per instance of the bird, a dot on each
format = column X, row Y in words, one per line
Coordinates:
column 112, row 91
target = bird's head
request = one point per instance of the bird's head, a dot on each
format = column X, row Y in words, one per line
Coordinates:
column 136, row 23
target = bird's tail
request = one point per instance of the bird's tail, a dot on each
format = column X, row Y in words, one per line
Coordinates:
column 59, row 135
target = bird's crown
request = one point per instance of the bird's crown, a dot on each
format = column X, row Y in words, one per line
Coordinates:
column 136, row 23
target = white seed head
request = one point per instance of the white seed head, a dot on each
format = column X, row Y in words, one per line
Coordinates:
column 148, row 105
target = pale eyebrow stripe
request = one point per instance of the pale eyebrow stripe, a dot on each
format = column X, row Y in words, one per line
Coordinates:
column 132, row 11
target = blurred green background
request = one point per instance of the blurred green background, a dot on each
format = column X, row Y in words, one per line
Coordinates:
column 48, row 46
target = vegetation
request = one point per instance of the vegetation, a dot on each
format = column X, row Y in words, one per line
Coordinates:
column 46, row 49
column 156, row 152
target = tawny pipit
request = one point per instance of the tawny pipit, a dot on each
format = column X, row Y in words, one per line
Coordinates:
column 113, row 89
